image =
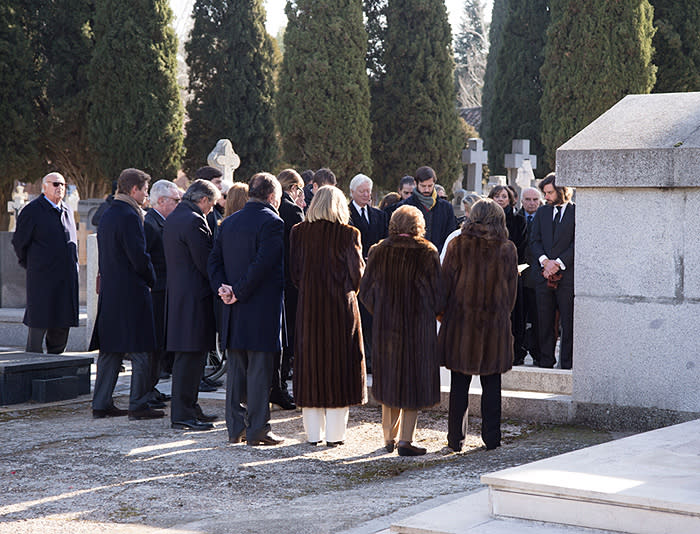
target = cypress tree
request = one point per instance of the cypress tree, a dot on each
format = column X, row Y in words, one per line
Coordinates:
column 323, row 99
column 499, row 14
column 231, row 61
column 597, row 52
column 515, row 111
column 677, row 45
column 135, row 115
column 375, row 24
column 417, row 121
column 471, row 50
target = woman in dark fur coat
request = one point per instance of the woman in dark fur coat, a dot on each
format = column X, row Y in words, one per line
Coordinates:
column 402, row 288
column 326, row 265
column 481, row 275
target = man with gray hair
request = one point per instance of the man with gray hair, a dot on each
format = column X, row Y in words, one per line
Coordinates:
column 46, row 244
column 164, row 196
column 191, row 326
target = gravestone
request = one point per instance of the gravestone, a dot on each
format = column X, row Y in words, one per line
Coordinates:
column 224, row 158
column 519, row 161
column 636, row 170
column 494, row 180
column 13, row 278
column 475, row 157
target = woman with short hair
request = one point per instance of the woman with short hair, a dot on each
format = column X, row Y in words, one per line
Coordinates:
column 402, row 289
column 481, row 278
column 236, row 197
column 329, row 366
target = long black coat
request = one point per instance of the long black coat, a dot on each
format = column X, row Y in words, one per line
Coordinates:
column 248, row 255
column 153, row 225
column 124, row 320
column 372, row 232
column 49, row 252
column 291, row 214
column 187, row 241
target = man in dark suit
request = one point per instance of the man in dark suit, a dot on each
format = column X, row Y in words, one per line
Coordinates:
column 124, row 323
column 552, row 248
column 46, row 244
column 246, row 269
column 164, row 197
column 532, row 200
column 215, row 176
column 373, row 225
column 191, row 327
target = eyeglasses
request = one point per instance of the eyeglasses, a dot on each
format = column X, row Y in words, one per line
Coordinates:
column 177, row 200
column 56, row 184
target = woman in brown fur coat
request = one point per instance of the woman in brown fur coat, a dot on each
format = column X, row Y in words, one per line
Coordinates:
column 329, row 367
column 402, row 289
column 481, row 275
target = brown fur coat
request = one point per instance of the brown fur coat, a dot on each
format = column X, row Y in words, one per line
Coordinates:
column 402, row 288
column 325, row 263
column 481, row 274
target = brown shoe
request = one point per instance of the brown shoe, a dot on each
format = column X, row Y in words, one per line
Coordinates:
column 266, row 440
column 408, row 449
column 146, row 413
column 112, row 411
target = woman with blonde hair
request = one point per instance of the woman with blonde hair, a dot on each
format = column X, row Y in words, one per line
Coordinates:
column 402, row 288
column 329, row 366
column 236, row 197
column 481, row 278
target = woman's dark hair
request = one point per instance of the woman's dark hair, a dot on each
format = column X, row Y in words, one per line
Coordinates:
column 498, row 188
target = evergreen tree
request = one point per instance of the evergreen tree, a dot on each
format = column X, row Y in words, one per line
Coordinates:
column 597, row 52
column 677, row 44
column 323, row 101
column 231, row 61
column 417, row 121
column 471, row 50
column 515, row 111
column 135, row 116
column 498, row 20
column 375, row 24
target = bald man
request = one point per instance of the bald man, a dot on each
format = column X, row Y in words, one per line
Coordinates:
column 46, row 245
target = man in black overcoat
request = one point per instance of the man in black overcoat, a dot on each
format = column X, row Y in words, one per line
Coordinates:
column 373, row 225
column 124, row 323
column 164, row 198
column 46, row 244
column 552, row 248
column 191, row 326
column 246, row 269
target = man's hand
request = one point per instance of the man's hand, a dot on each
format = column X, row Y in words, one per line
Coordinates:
column 550, row 267
column 227, row 295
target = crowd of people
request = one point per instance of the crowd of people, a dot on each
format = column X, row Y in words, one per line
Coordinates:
column 300, row 283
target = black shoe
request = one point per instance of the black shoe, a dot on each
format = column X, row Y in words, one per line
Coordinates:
column 112, row 411
column 410, row 450
column 162, row 397
column 389, row 446
column 238, row 439
column 206, row 388
column 282, row 399
column 205, row 417
column 191, row 424
column 334, row 443
column 215, row 383
column 156, row 404
column 492, row 446
column 266, row 440
column 146, row 413
column 454, row 447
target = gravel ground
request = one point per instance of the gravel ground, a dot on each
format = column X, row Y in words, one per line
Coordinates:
column 62, row 471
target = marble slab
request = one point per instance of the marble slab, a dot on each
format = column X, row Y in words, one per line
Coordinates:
column 643, row 484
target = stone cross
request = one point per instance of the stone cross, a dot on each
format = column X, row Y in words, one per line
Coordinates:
column 474, row 157
column 514, row 161
column 225, row 159
column 494, row 180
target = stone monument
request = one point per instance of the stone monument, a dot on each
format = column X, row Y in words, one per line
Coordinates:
column 519, row 162
column 475, row 157
column 224, row 158
column 636, row 170
column 19, row 199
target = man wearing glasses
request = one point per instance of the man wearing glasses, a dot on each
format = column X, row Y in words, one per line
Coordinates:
column 46, row 244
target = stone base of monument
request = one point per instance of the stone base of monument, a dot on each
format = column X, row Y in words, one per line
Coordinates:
column 26, row 376
column 13, row 332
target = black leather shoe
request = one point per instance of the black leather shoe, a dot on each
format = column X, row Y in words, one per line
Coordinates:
column 156, row 404
column 492, row 446
column 408, row 449
column 334, row 443
column 282, row 399
column 146, row 413
column 191, row 424
column 206, row 388
column 162, row 397
column 205, row 417
column 389, row 446
column 454, row 447
column 266, row 440
column 112, row 411
column 215, row 383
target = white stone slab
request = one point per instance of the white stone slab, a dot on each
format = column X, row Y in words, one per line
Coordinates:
column 644, row 484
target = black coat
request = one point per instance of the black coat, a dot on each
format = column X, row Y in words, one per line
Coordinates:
column 153, row 225
column 439, row 221
column 517, row 231
column 372, row 232
column 560, row 245
column 248, row 255
column 291, row 214
column 124, row 320
column 48, row 249
column 187, row 240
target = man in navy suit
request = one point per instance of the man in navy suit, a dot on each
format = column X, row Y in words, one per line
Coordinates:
column 246, row 269
column 46, row 244
column 373, row 225
column 552, row 248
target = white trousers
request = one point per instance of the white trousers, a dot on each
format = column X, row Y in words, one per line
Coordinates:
column 329, row 421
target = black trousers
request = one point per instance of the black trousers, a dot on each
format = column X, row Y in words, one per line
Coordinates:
column 548, row 302
column 532, row 341
column 56, row 340
column 187, row 373
column 248, row 381
column 490, row 410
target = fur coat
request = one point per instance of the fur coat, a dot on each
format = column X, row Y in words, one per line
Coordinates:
column 481, row 275
column 325, row 263
column 402, row 288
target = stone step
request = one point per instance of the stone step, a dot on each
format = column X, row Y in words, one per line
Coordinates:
column 643, row 484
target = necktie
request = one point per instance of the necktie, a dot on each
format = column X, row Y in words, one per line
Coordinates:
column 364, row 215
column 529, row 219
column 555, row 221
